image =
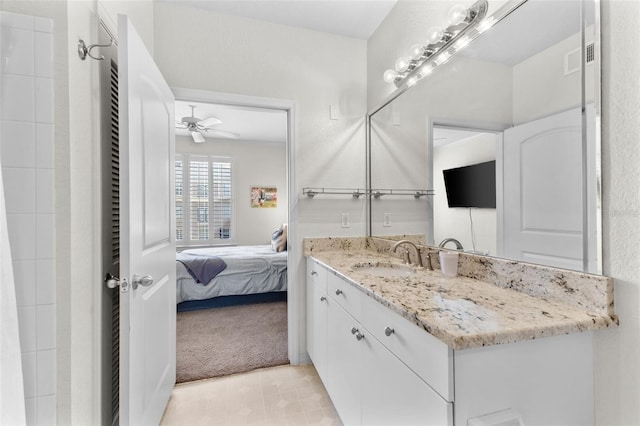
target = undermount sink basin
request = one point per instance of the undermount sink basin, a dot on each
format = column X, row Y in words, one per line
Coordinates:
column 380, row 269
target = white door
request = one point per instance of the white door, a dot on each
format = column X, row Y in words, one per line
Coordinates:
column 543, row 195
column 344, row 358
column 147, row 234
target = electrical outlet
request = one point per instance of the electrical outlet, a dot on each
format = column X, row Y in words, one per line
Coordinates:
column 386, row 219
column 344, row 220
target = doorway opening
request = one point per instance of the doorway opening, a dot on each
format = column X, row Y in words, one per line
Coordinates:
column 232, row 220
column 472, row 223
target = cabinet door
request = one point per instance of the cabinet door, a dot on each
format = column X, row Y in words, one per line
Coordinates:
column 393, row 395
column 344, row 365
column 316, row 314
column 317, row 304
column 427, row 356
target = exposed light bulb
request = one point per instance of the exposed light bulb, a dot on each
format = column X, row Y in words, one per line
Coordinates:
column 444, row 57
column 464, row 41
column 425, row 70
column 457, row 14
column 389, row 76
column 434, row 35
column 416, row 51
column 402, row 63
column 486, row 24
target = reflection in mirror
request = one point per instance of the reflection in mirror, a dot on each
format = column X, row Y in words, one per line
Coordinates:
column 518, row 95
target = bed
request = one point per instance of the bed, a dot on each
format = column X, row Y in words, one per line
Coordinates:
column 248, row 270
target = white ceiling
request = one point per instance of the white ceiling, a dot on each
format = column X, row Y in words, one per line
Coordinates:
column 252, row 124
column 351, row 18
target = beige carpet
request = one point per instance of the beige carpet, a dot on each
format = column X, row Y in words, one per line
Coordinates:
column 221, row 341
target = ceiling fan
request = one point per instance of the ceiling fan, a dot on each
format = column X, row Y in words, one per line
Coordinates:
column 196, row 126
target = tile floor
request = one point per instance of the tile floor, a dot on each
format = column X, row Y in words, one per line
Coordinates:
column 285, row 395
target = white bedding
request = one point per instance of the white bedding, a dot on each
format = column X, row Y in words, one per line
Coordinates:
column 250, row 270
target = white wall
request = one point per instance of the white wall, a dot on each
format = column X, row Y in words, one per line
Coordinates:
column 254, row 164
column 454, row 222
column 540, row 86
column 617, row 351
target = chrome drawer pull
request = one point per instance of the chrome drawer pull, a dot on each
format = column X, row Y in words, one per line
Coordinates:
column 357, row 333
column 388, row 331
column 322, row 298
column 338, row 292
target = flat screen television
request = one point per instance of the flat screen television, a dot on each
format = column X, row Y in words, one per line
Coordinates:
column 471, row 186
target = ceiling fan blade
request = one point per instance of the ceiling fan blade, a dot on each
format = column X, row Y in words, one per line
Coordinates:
column 209, row 122
column 222, row 134
column 197, row 136
column 180, row 125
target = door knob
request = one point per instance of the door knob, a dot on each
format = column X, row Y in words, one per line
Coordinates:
column 111, row 281
column 137, row 280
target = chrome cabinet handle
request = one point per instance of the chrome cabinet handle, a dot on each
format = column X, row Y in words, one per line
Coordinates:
column 322, row 298
column 338, row 292
column 388, row 331
column 356, row 332
column 314, row 273
column 145, row 281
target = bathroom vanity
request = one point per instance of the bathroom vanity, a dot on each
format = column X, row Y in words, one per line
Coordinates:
column 397, row 345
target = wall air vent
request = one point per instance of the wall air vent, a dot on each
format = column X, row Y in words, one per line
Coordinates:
column 591, row 54
column 572, row 59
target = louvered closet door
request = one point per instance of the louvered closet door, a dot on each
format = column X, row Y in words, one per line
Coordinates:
column 110, row 164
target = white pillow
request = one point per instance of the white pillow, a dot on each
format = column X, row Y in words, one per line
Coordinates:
column 279, row 239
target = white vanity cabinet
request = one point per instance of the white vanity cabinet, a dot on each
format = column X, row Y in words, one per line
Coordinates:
column 368, row 384
column 381, row 369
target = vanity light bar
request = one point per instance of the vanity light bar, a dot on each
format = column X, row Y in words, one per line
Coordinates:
column 440, row 44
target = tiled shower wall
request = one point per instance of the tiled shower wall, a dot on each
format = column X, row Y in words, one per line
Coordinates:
column 27, row 160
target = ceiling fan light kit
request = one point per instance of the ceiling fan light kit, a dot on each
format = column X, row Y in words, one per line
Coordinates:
column 197, row 136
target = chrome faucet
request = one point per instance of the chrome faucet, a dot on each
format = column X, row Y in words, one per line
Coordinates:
column 409, row 243
column 451, row 240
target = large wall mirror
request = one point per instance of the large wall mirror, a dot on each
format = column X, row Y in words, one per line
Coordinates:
column 506, row 135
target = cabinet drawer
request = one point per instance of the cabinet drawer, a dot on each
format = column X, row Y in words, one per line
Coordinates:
column 346, row 295
column 428, row 357
column 392, row 394
column 317, row 275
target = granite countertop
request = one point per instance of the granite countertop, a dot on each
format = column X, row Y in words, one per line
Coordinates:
column 462, row 312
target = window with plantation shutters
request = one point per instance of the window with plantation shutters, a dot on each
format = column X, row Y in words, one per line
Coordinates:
column 204, row 205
